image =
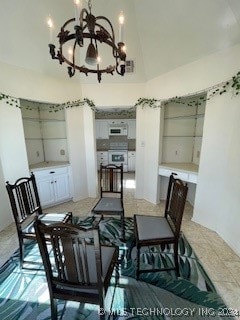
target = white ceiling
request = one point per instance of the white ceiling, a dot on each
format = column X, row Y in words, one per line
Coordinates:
column 160, row 35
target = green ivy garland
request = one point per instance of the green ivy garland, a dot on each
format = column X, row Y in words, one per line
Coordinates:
column 71, row 104
column 9, row 100
column 52, row 107
column 233, row 84
column 199, row 97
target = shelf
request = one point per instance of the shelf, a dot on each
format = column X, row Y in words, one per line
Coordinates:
column 194, row 116
column 182, row 136
column 43, row 120
column 54, row 138
column 45, row 138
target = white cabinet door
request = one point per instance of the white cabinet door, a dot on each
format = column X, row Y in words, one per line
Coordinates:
column 102, row 157
column 46, row 191
column 131, row 160
column 102, row 128
column 61, row 187
column 131, row 129
column 53, row 185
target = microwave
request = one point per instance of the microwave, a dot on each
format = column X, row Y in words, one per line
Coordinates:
column 118, row 131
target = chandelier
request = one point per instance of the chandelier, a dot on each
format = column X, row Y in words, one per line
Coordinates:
column 92, row 32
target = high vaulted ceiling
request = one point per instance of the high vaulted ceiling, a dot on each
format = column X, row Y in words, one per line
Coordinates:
column 160, row 35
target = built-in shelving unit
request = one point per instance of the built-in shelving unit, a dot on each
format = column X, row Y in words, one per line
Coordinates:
column 45, row 133
column 181, row 142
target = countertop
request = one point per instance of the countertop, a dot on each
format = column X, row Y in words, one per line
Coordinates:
column 184, row 167
column 48, row 164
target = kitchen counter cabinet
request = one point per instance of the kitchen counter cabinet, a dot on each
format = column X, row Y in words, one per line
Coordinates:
column 102, row 158
column 53, row 184
column 131, row 160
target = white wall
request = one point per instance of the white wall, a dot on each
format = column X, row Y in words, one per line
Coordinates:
column 217, row 200
column 114, row 95
column 12, row 143
column 13, row 156
column 82, row 151
column 27, row 84
column 91, row 159
column 6, row 217
column 147, row 149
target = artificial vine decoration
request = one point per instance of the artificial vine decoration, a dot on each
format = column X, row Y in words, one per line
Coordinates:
column 199, row 97
column 9, row 100
column 152, row 103
column 71, row 104
column 52, row 107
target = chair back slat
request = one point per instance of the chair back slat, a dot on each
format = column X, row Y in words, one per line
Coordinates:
column 24, row 198
column 71, row 262
column 175, row 203
column 111, row 180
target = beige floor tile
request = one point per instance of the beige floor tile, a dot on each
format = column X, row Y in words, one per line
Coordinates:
column 230, row 292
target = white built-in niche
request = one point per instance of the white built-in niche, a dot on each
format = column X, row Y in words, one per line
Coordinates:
column 45, row 133
column 183, row 131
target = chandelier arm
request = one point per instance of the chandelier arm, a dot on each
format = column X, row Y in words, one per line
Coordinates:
column 84, row 10
column 110, row 25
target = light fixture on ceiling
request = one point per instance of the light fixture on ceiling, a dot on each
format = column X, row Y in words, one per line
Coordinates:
column 91, row 32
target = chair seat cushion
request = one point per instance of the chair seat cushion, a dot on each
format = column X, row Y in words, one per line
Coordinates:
column 151, row 227
column 46, row 218
column 109, row 205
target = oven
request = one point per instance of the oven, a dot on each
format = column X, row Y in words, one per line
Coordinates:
column 118, row 154
column 118, row 157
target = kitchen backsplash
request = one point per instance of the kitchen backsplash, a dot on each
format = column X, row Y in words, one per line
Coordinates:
column 104, row 144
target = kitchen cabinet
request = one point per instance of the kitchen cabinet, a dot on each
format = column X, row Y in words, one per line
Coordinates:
column 102, row 128
column 102, row 158
column 131, row 160
column 53, row 185
column 131, row 128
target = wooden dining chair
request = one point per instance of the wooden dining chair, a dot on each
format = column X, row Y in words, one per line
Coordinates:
column 78, row 268
column 111, row 193
column 152, row 231
column 25, row 204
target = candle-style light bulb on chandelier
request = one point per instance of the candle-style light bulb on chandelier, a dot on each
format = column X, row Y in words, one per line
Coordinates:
column 90, row 32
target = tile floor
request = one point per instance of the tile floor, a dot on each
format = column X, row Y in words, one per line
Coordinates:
column 218, row 259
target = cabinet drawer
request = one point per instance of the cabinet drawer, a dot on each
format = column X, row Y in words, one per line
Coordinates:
column 47, row 172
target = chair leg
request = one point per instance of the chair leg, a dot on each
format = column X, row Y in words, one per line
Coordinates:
column 123, row 226
column 21, row 251
column 53, row 308
column 138, row 263
column 176, row 258
column 101, row 308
